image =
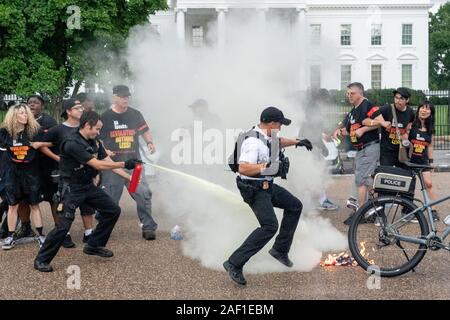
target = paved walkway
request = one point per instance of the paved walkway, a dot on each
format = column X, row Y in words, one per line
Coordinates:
column 158, row 269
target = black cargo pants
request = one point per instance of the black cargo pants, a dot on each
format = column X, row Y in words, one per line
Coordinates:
column 262, row 203
column 72, row 196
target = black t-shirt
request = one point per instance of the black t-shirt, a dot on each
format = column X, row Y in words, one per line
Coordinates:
column 5, row 164
column 389, row 140
column 420, row 141
column 47, row 164
column 354, row 119
column 76, row 151
column 19, row 150
column 120, row 133
column 46, row 122
column 57, row 134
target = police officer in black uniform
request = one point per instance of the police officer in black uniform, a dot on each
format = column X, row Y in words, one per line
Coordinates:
column 256, row 186
column 82, row 155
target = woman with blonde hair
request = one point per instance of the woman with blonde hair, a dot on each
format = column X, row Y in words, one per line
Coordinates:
column 18, row 135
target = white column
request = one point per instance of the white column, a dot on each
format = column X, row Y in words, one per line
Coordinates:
column 261, row 13
column 302, row 43
column 181, row 32
column 221, row 27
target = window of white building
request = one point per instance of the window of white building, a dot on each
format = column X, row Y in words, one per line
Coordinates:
column 376, row 76
column 315, row 34
column 407, row 75
column 346, row 75
column 315, row 76
column 406, row 34
column 376, row 35
column 197, row 36
column 346, row 34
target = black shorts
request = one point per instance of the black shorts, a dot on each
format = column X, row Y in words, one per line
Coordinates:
column 23, row 185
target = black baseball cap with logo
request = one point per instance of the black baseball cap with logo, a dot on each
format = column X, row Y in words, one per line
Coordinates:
column 121, row 91
column 404, row 92
column 270, row 114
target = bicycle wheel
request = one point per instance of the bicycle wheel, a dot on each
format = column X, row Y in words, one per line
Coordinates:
column 373, row 237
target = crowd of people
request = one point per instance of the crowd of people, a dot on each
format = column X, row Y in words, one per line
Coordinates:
column 42, row 161
column 377, row 132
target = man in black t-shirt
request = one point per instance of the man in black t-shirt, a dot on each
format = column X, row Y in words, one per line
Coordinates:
column 363, row 136
column 122, row 127
column 72, row 111
column 82, row 156
column 405, row 117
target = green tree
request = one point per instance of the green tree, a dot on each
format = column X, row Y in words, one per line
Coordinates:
column 440, row 48
column 43, row 50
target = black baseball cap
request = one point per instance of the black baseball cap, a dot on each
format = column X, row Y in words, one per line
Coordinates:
column 121, row 91
column 199, row 103
column 273, row 114
column 69, row 104
column 404, row 92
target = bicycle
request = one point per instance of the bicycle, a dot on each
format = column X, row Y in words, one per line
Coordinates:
column 392, row 244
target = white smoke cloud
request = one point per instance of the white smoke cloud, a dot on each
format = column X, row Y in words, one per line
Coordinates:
column 255, row 69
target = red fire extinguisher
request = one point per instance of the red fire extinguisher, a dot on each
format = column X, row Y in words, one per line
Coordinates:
column 135, row 178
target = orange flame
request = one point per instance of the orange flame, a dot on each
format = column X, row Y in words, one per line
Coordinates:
column 363, row 252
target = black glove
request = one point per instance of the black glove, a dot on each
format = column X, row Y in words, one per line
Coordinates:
column 131, row 163
column 304, row 143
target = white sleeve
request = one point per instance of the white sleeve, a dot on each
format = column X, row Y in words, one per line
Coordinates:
column 249, row 151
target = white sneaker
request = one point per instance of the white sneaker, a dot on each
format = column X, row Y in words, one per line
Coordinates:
column 8, row 244
column 352, row 204
column 328, row 205
column 40, row 240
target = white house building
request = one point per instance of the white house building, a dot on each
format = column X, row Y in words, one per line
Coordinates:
column 381, row 43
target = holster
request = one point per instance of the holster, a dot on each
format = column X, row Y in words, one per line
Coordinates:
column 249, row 188
column 58, row 196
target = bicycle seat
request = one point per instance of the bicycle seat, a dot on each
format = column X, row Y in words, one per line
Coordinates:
column 417, row 166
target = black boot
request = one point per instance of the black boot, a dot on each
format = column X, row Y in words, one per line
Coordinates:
column 42, row 266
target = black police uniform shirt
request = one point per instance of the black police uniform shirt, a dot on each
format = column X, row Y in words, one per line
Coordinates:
column 76, row 151
column 121, row 131
column 389, row 140
column 354, row 119
column 57, row 134
column 420, row 142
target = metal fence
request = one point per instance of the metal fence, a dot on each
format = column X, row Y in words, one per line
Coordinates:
column 335, row 111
